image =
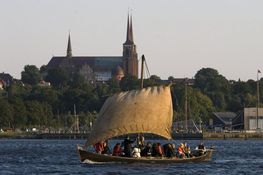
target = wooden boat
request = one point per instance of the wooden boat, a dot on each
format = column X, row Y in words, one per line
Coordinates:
column 148, row 110
column 86, row 155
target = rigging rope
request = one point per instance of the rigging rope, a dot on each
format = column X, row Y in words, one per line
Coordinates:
column 147, row 72
column 147, row 69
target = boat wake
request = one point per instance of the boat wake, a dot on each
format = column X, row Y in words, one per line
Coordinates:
column 92, row 162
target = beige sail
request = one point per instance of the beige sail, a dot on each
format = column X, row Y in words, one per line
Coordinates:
column 148, row 110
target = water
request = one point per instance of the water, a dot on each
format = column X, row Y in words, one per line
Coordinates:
column 59, row 157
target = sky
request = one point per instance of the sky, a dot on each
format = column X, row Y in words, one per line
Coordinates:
column 177, row 37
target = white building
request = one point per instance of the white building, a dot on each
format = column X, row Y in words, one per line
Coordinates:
column 251, row 121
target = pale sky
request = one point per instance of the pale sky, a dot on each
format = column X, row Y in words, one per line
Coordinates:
column 178, row 37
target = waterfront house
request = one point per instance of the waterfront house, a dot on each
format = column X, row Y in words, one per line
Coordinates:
column 222, row 121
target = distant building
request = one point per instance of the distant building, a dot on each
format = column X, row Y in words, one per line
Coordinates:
column 2, row 84
column 101, row 68
column 226, row 121
column 119, row 73
column 251, row 120
column 43, row 83
column 6, row 79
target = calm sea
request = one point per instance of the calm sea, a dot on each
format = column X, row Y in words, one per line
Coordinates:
column 59, row 157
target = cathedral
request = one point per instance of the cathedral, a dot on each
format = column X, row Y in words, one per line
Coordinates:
column 101, row 68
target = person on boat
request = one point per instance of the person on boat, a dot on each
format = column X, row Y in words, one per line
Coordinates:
column 117, row 151
column 165, row 149
column 127, row 143
column 99, row 147
column 136, row 152
column 147, row 150
column 157, row 150
column 181, row 153
column 187, row 151
column 140, row 141
column 171, row 151
column 201, row 149
column 154, row 150
column 106, row 149
column 201, row 146
column 168, row 150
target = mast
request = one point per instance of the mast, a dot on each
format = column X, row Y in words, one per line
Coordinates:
column 257, row 98
column 76, row 120
column 185, row 104
column 142, row 70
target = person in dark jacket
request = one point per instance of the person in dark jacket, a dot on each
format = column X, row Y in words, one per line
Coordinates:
column 169, row 150
column 127, row 143
column 147, row 150
column 201, row 149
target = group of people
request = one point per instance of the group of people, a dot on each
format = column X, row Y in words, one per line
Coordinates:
column 141, row 149
column 102, row 147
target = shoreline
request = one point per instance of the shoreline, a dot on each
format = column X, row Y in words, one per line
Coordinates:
column 176, row 136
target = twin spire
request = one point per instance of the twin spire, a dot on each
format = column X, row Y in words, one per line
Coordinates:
column 129, row 37
column 69, row 50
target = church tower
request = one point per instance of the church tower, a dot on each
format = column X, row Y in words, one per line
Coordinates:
column 69, row 50
column 130, row 57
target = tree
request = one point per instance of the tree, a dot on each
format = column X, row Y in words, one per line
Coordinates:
column 48, row 95
column 20, row 113
column 154, row 80
column 58, row 77
column 78, row 80
column 48, row 115
column 204, row 105
column 216, row 86
column 240, row 87
column 171, row 78
column 31, row 75
column 129, row 83
column 18, row 90
column 35, row 113
column 250, row 100
column 85, row 98
column 114, row 86
column 6, row 113
column 208, row 80
column 43, row 69
column 200, row 106
column 240, row 95
column 102, row 90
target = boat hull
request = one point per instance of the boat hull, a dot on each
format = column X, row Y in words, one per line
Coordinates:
column 86, row 155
